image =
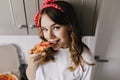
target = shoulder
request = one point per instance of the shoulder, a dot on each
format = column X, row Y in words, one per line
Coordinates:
column 88, row 56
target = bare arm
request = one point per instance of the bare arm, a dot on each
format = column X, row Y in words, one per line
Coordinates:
column 30, row 71
column 32, row 66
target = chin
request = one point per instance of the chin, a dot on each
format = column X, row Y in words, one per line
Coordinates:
column 56, row 48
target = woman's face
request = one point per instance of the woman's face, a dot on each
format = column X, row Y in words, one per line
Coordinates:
column 54, row 33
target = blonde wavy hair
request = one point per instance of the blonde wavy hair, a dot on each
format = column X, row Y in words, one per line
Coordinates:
column 76, row 49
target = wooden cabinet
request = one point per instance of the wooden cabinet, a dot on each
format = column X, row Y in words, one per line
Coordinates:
column 16, row 17
column 32, row 7
column 87, row 11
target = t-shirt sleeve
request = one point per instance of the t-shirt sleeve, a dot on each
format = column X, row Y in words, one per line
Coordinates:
column 88, row 72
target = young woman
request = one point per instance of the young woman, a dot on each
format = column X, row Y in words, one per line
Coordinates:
column 69, row 58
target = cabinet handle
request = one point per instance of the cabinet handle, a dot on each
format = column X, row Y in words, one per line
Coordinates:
column 21, row 26
column 98, row 59
column 32, row 26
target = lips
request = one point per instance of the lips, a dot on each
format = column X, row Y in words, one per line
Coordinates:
column 54, row 42
column 57, row 46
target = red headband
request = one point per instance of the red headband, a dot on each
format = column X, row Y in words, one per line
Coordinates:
column 46, row 3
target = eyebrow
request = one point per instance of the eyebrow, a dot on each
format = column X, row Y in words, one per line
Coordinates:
column 49, row 26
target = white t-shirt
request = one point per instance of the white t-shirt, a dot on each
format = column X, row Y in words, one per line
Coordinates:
column 58, row 70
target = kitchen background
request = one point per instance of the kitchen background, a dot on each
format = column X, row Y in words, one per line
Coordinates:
column 17, row 21
column 100, row 18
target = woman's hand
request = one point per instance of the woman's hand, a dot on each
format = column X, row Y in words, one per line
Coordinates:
column 34, row 61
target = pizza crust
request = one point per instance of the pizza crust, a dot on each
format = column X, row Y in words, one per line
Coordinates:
column 40, row 47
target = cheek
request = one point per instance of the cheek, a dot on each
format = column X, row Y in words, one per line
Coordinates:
column 45, row 35
column 64, row 35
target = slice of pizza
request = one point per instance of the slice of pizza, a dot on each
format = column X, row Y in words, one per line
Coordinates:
column 41, row 47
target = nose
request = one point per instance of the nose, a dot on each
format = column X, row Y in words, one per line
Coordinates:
column 51, row 34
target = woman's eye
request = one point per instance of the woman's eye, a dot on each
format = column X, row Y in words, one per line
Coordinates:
column 56, row 28
column 43, row 29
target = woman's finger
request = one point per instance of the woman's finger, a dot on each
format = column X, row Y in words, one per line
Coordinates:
column 37, row 57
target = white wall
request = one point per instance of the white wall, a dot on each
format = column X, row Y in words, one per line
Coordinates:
column 90, row 42
column 23, row 43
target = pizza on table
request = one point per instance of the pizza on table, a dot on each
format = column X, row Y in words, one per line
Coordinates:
column 8, row 77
